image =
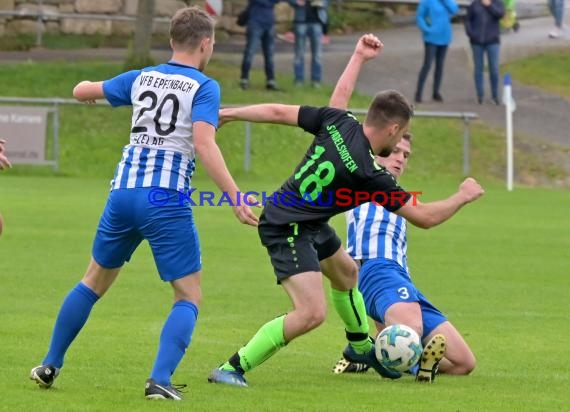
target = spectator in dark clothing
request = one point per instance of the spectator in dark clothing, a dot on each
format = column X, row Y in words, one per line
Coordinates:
column 482, row 28
column 308, row 21
column 260, row 28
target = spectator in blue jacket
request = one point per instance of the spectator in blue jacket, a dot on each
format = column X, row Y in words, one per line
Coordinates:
column 482, row 28
column 433, row 18
column 308, row 21
column 260, row 29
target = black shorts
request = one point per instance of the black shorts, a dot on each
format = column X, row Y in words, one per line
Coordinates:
column 298, row 247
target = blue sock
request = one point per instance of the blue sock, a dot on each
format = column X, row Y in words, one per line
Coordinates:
column 72, row 316
column 174, row 340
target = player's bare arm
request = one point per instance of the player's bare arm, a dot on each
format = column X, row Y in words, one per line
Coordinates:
column 262, row 113
column 427, row 215
column 87, row 91
column 367, row 48
column 213, row 161
column 4, row 162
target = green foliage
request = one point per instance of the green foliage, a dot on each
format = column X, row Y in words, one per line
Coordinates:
column 26, row 41
column 547, row 71
column 492, row 269
column 18, row 43
column 349, row 17
column 136, row 62
column 137, row 59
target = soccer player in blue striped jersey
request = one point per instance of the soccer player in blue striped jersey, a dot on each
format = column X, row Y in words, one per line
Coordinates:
column 175, row 116
column 377, row 240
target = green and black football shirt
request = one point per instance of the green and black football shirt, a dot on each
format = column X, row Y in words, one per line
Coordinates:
column 338, row 172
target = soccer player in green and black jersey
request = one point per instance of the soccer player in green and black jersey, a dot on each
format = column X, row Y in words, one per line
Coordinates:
column 337, row 173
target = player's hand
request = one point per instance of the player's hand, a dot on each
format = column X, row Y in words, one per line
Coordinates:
column 252, row 201
column 223, row 117
column 245, row 215
column 4, row 162
column 369, row 46
column 471, row 189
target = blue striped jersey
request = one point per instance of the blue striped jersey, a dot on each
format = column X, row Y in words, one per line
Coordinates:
column 167, row 99
column 375, row 232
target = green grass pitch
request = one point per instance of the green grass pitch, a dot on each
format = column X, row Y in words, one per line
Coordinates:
column 499, row 270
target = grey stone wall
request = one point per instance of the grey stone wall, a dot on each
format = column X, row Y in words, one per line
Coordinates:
column 85, row 25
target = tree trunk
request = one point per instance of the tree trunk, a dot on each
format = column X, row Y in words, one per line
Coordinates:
column 139, row 55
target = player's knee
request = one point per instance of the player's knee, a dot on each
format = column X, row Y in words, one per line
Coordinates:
column 350, row 275
column 468, row 365
column 464, row 366
column 318, row 316
column 314, row 317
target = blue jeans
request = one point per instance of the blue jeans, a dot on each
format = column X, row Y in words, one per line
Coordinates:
column 314, row 31
column 492, row 51
column 431, row 52
column 256, row 33
column 557, row 10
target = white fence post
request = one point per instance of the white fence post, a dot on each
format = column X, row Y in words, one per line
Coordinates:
column 509, row 109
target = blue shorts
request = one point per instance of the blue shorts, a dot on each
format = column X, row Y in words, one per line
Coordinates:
column 129, row 217
column 383, row 282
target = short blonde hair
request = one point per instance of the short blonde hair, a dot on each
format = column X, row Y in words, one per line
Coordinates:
column 189, row 26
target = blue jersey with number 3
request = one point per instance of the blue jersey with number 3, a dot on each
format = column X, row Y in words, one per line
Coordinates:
column 167, row 99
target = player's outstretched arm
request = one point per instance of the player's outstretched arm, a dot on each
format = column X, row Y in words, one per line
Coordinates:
column 213, row 161
column 427, row 215
column 262, row 113
column 87, row 91
column 368, row 47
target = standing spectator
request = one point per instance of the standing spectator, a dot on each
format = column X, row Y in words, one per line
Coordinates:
column 482, row 28
column 260, row 28
column 433, row 18
column 557, row 10
column 308, row 21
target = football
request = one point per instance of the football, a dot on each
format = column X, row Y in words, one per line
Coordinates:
column 398, row 347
